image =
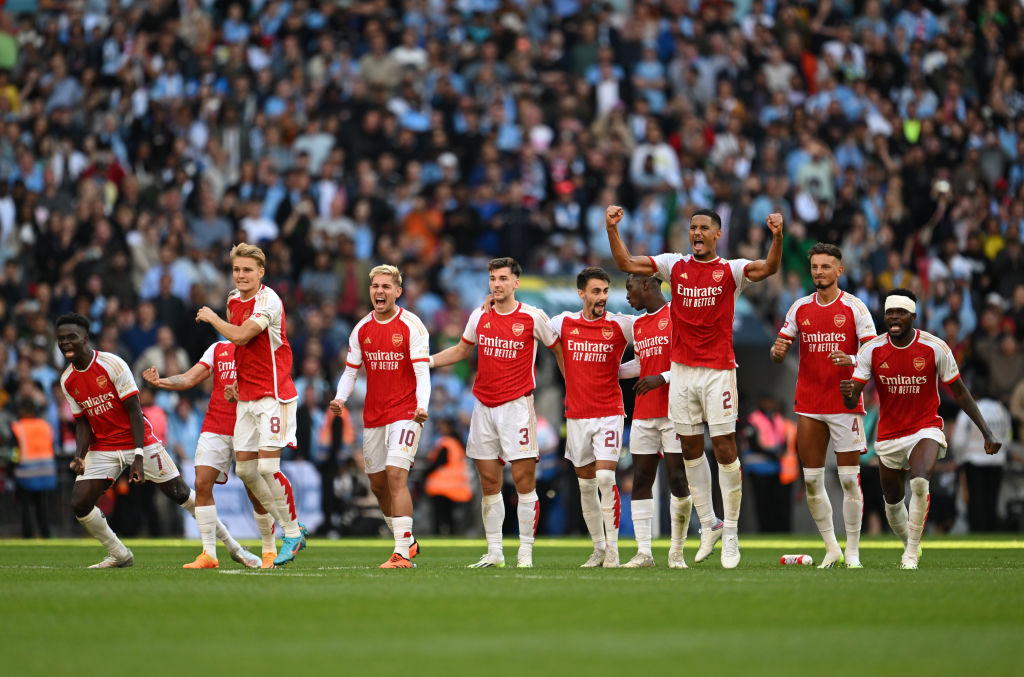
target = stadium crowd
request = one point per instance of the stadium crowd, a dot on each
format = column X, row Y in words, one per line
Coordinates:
column 139, row 140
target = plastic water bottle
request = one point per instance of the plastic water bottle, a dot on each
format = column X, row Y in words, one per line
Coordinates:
column 796, row 559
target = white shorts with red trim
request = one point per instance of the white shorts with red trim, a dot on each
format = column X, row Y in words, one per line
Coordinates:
column 895, row 453
column 393, row 444
column 264, row 424
column 157, row 465
column 653, row 436
column 593, row 439
column 701, row 394
column 216, row 451
column 507, row 432
column 845, row 430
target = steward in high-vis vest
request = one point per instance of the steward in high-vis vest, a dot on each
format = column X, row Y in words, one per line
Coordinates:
column 447, row 479
column 35, row 470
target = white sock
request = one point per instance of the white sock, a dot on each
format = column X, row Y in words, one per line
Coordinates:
column 680, row 509
column 611, row 508
column 591, row 506
column 896, row 514
column 265, row 524
column 528, row 512
column 283, row 497
column 403, row 534
column 190, row 502
column 730, row 478
column 698, row 477
column 853, row 508
column 249, row 473
column 493, row 509
column 387, row 520
column 920, row 499
column 220, row 531
column 643, row 513
column 96, row 524
column 820, row 507
column 206, row 518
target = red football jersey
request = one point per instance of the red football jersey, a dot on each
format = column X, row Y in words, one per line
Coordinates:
column 96, row 393
column 844, row 324
column 592, row 351
column 507, row 349
column 388, row 349
column 703, row 307
column 219, row 358
column 652, row 336
column 264, row 363
column 907, row 380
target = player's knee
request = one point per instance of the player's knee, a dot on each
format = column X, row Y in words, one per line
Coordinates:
column 605, row 478
column 81, row 505
column 677, row 482
column 204, row 487
column 919, row 486
column 176, row 490
column 247, row 471
column 269, row 465
column 642, row 477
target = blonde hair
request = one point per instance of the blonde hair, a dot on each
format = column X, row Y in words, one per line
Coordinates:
column 249, row 251
column 387, row 270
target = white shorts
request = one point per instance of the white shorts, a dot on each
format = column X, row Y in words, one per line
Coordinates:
column 393, row 444
column 264, row 424
column 593, row 439
column 507, row 432
column 700, row 394
column 895, row 453
column 653, row 436
column 157, row 465
column 216, row 451
column 846, row 430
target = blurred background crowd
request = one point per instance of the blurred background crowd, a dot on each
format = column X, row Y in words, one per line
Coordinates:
column 139, row 140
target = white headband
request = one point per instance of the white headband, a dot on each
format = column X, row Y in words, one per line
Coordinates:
column 903, row 302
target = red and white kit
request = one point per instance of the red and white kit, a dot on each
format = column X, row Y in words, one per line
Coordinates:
column 592, row 351
column 389, row 350
column 97, row 392
column 652, row 431
column 504, row 424
column 907, row 380
column 216, row 447
column 265, row 415
column 703, row 385
column 844, row 324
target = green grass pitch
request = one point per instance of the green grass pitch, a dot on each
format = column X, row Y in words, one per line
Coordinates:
column 333, row 612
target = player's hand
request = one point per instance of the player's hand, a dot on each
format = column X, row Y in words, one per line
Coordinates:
column 775, row 223
column 136, row 475
column 420, row 416
column 992, row 445
column 231, row 392
column 77, row 465
column 487, row 304
column 780, row 348
column 612, row 216
column 846, row 388
column 206, row 315
column 840, row 359
column 152, row 376
column 336, row 407
column 648, row 383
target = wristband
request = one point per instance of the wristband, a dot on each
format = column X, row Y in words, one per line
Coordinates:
column 138, row 452
column 430, row 362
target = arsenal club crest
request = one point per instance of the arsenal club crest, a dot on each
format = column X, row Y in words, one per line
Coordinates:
column 607, row 333
column 840, row 320
column 919, row 363
column 718, row 275
column 396, row 340
column 102, row 382
column 662, row 323
column 518, row 328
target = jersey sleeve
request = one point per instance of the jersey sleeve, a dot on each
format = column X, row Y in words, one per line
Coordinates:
column 790, row 328
column 865, row 325
column 945, row 363
column 739, row 273
column 555, row 323
column 72, row 402
column 663, row 265
column 542, row 328
column 354, row 358
column 267, row 309
column 419, row 340
column 207, row 359
column 862, row 372
column 121, row 377
column 625, row 322
column 470, row 335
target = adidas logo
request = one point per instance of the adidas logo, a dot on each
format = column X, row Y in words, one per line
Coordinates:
column 684, row 276
column 487, row 326
column 575, row 331
column 805, row 323
column 884, row 365
column 367, row 341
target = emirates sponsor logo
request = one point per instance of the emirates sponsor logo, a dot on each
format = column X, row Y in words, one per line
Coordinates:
column 518, row 328
column 662, row 323
column 840, row 320
column 718, row 275
column 607, row 333
column 396, row 340
column 102, row 381
column 919, row 363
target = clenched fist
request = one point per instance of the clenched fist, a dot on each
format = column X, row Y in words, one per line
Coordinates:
column 612, row 216
column 775, row 223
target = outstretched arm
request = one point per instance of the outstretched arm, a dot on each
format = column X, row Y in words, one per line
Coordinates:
column 638, row 265
column 970, row 407
column 190, row 379
column 237, row 335
column 762, row 268
column 457, row 353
